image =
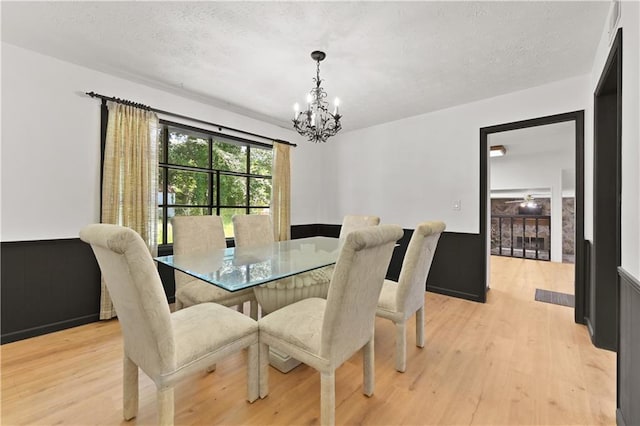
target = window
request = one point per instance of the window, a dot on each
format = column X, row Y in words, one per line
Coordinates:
column 202, row 173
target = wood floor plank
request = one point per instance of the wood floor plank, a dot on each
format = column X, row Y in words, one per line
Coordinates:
column 509, row 361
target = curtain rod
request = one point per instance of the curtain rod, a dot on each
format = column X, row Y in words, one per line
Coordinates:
column 219, row 126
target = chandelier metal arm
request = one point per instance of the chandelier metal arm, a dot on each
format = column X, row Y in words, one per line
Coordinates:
column 316, row 123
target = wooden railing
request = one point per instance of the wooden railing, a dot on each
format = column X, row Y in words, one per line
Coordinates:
column 525, row 236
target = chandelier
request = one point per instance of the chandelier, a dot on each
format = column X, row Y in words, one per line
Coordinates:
column 316, row 123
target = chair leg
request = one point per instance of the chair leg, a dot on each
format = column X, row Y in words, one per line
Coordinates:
column 253, row 373
column 368, row 368
column 327, row 398
column 129, row 388
column 253, row 306
column 420, row 327
column 165, row 407
column 401, row 346
column 263, row 370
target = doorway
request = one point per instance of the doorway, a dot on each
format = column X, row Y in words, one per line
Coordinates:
column 532, row 186
column 576, row 118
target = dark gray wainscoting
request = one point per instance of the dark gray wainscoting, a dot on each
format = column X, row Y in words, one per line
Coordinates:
column 628, row 412
column 601, row 300
column 52, row 285
column 47, row 286
column 457, row 267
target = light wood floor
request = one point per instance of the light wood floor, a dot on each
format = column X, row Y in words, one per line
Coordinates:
column 509, row 361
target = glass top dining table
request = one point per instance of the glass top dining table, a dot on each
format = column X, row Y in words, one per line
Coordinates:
column 235, row 269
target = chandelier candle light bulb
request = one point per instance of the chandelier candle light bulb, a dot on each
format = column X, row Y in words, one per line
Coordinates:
column 317, row 123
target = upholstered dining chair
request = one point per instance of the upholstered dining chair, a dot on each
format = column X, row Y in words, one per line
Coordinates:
column 399, row 301
column 192, row 234
column 166, row 346
column 325, row 333
column 353, row 222
column 256, row 230
column 350, row 223
column 252, row 230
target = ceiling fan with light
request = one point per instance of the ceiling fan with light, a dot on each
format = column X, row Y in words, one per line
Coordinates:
column 527, row 201
column 527, row 198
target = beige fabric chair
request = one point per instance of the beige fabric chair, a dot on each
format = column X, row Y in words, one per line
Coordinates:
column 192, row 234
column 353, row 222
column 398, row 301
column 325, row 333
column 256, row 230
column 252, row 230
column 349, row 223
column 166, row 346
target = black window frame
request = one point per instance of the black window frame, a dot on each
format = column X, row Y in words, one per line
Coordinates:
column 213, row 206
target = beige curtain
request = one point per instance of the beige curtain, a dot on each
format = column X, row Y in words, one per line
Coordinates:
column 130, row 173
column 281, row 192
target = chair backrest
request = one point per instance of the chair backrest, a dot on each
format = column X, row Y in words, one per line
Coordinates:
column 135, row 288
column 354, row 290
column 416, row 265
column 252, row 230
column 353, row 222
column 192, row 234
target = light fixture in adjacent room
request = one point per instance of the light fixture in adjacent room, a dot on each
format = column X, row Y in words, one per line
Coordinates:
column 316, row 123
column 497, row 151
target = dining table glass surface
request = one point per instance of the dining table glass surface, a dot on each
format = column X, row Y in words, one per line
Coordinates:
column 235, row 269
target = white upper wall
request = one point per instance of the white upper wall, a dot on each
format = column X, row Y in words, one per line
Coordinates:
column 536, row 157
column 530, row 172
column 405, row 171
column 51, row 145
column 414, row 169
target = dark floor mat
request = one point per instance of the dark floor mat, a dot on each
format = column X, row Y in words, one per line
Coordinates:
column 555, row 297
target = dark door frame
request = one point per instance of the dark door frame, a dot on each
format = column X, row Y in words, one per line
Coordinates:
column 602, row 316
column 578, row 118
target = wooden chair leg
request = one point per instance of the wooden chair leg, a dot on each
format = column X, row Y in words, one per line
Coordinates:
column 420, row 327
column 327, row 398
column 368, row 368
column 165, row 407
column 129, row 388
column 401, row 346
column 253, row 373
column 263, row 359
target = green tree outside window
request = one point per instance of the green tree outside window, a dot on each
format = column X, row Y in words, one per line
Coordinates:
column 204, row 173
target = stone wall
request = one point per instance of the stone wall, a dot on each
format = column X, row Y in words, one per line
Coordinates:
column 568, row 226
column 503, row 206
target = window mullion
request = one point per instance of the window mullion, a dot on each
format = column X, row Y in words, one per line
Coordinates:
column 248, row 170
column 211, row 178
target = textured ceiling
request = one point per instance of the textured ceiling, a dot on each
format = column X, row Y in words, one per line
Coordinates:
column 385, row 60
